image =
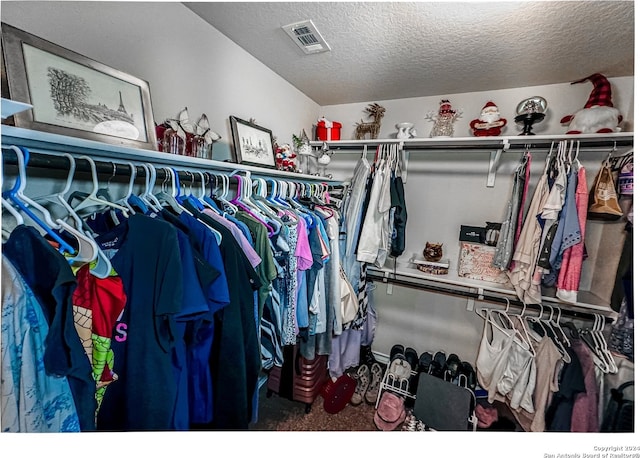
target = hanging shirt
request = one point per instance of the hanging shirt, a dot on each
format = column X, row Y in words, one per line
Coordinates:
column 31, row 401
column 235, row 355
column 353, row 214
column 49, row 276
column 201, row 333
column 547, row 359
column 509, row 227
column 572, row 258
column 399, row 220
column 97, row 304
column 377, row 213
column 526, row 251
column 493, row 355
column 145, row 253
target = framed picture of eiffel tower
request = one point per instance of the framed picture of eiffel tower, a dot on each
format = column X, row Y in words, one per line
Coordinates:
column 73, row 95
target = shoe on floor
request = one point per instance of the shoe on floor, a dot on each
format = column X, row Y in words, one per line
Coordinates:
column 424, row 362
column 411, row 355
column 363, row 377
column 371, row 395
column 397, row 349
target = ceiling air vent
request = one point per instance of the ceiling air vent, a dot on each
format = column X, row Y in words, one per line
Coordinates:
column 307, row 37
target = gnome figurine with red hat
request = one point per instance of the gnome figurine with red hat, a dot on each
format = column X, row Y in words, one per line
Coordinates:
column 489, row 123
column 598, row 115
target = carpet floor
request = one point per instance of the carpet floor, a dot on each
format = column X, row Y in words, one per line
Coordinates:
column 276, row 413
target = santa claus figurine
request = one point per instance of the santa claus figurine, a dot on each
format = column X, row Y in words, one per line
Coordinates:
column 598, row 115
column 489, row 123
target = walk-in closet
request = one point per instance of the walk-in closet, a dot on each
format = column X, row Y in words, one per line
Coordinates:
column 248, row 217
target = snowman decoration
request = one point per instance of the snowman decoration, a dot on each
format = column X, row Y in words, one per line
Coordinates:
column 443, row 120
column 598, row 115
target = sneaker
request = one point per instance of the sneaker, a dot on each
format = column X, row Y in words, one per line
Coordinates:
column 363, row 378
column 371, row 395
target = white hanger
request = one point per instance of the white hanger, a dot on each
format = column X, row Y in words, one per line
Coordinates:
column 556, row 338
column 15, row 213
column 92, row 199
column 132, row 178
column 228, row 207
column 608, row 357
column 147, row 196
column 589, row 337
column 526, row 342
column 17, row 196
column 169, row 198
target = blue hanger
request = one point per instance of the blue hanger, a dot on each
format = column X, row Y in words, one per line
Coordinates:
column 16, row 196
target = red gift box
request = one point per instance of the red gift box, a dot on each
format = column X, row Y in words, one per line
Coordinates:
column 328, row 130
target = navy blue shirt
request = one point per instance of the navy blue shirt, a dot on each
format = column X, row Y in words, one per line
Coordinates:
column 146, row 256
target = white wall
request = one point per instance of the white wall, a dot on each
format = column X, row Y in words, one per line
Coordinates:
column 185, row 60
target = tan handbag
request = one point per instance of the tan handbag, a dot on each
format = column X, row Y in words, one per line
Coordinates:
column 603, row 198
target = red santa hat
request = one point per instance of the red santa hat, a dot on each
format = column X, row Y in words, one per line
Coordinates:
column 601, row 93
column 488, row 104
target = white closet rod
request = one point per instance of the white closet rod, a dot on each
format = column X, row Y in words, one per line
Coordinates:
column 57, row 161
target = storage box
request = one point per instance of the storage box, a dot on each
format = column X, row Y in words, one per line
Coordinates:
column 476, row 262
column 475, row 234
column 328, row 130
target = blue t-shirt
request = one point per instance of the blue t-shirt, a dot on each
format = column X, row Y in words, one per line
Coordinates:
column 145, row 253
column 199, row 350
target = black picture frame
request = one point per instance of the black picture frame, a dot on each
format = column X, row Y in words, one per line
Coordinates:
column 252, row 144
column 74, row 95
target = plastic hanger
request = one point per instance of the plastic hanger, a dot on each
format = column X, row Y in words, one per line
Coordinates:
column 169, row 198
column 588, row 337
column 125, row 200
column 558, row 327
column 180, row 196
column 206, row 203
column 492, row 317
column 87, row 247
column 229, row 207
column 189, row 196
column 16, row 196
column 93, row 200
column 556, row 338
column 100, row 264
column 507, row 321
column 602, row 344
column 15, row 213
column 242, row 201
column 147, row 195
column 212, row 181
column 535, row 325
column 59, row 197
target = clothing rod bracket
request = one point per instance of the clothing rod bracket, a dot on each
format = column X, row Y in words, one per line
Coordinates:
column 494, row 161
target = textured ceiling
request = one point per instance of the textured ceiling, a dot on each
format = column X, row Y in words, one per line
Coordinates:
column 390, row 50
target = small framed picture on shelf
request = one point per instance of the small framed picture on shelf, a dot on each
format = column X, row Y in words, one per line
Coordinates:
column 73, row 95
column 252, row 144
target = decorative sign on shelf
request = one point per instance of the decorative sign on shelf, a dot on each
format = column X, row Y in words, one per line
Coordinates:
column 476, row 262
